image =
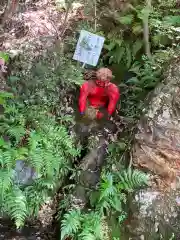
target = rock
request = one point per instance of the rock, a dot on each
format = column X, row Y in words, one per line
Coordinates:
column 155, row 215
column 157, row 142
column 90, row 171
column 155, row 212
column 23, row 174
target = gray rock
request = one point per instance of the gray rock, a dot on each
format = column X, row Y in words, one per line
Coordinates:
column 155, row 212
column 23, row 174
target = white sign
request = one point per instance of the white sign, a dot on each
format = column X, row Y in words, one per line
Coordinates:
column 88, row 48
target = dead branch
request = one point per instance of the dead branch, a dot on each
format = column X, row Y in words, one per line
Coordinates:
column 146, row 29
column 10, row 9
column 64, row 25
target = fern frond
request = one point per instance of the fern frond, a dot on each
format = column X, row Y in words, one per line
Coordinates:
column 107, row 187
column 17, row 132
column 104, row 205
column 50, row 164
column 35, row 198
column 5, row 180
column 37, row 160
column 131, row 179
column 8, row 160
column 70, row 223
column 48, row 184
column 33, row 140
column 87, row 236
column 91, row 224
column 15, row 205
column 115, row 203
column 11, row 109
column 4, row 96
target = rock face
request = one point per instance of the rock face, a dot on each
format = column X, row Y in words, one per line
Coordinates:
column 157, row 142
column 155, row 212
column 155, row 216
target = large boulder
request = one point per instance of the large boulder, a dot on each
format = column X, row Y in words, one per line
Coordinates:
column 153, row 215
column 155, row 211
column 157, row 142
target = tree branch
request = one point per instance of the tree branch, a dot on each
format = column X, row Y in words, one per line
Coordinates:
column 146, row 29
column 10, row 9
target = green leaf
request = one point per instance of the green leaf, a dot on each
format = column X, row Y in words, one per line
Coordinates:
column 130, row 180
column 71, row 223
column 15, row 204
column 136, row 47
column 17, row 132
column 120, row 54
column 137, row 28
column 4, row 56
column 144, row 14
column 5, row 95
column 122, row 146
column 118, row 42
column 172, row 20
column 5, row 180
column 135, row 68
column 86, row 236
column 110, row 46
column 2, row 142
column 106, row 187
column 13, row 79
column 133, row 80
column 126, row 20
column 128, row 56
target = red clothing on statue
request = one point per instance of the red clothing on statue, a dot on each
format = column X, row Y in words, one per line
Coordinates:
column 98, row 96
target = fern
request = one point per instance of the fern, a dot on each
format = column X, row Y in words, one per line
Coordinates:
column 107, row 187
column 70, row 223
column 11, row 109
column 82, row 226
column 17, row 132
column 131, row 179
column 86, row 236
column 8, row 161
column 4, row 96
column 50, row 164
column 91, row 225
column 15, row 205
column 35, row 198
column 5, row 180
column 37, row 160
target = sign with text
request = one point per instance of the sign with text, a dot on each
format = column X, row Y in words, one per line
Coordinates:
column 88, row 48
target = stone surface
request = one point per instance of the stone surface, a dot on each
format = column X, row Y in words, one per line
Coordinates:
column 155, row 216
column 157, row 142
column 154, row 213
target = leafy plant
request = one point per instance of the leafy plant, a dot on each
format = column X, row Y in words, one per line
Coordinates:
column 106, row 201
column 132, row 179
column 43, row 145
column 127, row 40
column 48, row 82
column 85, row 226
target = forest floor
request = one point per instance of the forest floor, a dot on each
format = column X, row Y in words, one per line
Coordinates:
column 39, row 26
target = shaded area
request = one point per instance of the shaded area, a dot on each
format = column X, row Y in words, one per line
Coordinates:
column 30, row 231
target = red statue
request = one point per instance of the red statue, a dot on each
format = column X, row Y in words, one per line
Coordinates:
column 99, row 93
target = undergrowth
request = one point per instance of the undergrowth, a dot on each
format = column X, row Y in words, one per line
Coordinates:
column 32, row 137
column 32, row 127
column 107, row 201
column 144, row 54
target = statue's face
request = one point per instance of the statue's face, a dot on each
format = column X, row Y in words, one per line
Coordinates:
column 104, row 76
column 101, row 83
